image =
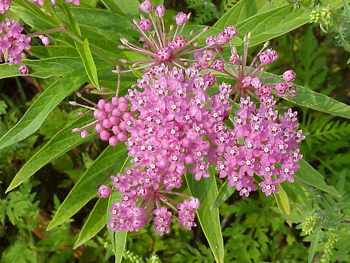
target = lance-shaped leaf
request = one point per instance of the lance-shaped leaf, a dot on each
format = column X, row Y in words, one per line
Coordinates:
column 43, row 68
column 108, row 162
column 63, row 141
column 311, row 177
column 88, row 62
column 94, row 223
column 320, row 102
column 206, row 191
column 244, row 9
column 46, row 102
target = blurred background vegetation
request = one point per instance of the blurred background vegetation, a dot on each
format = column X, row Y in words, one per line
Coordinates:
column 254, row 229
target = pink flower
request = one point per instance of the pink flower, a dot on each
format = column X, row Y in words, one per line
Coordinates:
column 125, row 216
column 146, row 6
column 187, row 212
column 162, row 220
column 145, row 24
column 4, row 6
column 160, row 10
column 181, row 18
column 268, row 56
column 289, row 75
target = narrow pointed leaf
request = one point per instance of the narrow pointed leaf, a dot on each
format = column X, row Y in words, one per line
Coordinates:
column 320, row 102
column 46, row 102
column 108, row 162
column 206, row 191
column 88, row 62
column 94, row 223
column 310, row 176
column 63, row 141
column 43, row 68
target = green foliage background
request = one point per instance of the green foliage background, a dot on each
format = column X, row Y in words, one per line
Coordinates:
column 50, row 213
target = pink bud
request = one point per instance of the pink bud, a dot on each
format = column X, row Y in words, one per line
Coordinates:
column 122, row 137
column 45, row 40
column 115, row 101
column 146, row 6
column 123, row 107
column 104, row 191
column 23, row 69
column 84, row 134
column 105, row 135
column 98, row 127
column 218, row 65
column 160, row 10
column 210, row 41
column 181, row 18
column 101, row 103
column 145, row 24
column 113, row 141
column 289, row 76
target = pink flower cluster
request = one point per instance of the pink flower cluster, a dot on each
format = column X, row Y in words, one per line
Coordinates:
column 4, row 6
column 172, row 127
column 13, row 42
column 261, row 145
column 171, row 131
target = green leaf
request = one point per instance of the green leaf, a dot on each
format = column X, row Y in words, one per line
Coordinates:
column 320, row 102
column 119, row 246
column 206, row 191
column 310, row 99
column 43, row 68
column 282, row 200
column 63, row 141
column 94, row 223
column 244, row 9
column 40, row 109
column 33, row 15
column 225, row 192
column 129, row 7
column 88, row 61
column 108, row 162
column 309, row 176
column 72, row 23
